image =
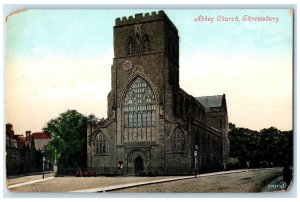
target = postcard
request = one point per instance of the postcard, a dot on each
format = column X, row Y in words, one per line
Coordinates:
column 191, row 100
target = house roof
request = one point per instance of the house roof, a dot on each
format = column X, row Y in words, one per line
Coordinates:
column 40, row 135
column 41, row 139
column 211, row 101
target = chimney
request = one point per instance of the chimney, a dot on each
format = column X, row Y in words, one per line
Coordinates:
column 9, row 129
column 28, row 134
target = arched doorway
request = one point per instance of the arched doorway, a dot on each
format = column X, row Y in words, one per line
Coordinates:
column 138, row 165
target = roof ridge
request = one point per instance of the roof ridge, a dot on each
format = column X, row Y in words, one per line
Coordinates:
column 209, row 96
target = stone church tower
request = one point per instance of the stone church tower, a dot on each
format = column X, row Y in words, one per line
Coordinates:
column 153, row 126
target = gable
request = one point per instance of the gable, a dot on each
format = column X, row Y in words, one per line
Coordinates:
column 211, row 101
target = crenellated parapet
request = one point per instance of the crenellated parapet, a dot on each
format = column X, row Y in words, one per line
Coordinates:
column 143, row 17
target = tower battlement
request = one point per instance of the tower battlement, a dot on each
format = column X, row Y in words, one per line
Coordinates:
column 143, row 17
column 140, row 17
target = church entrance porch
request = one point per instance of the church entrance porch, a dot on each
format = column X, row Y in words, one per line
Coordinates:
column 138, row 166
column 137, row 163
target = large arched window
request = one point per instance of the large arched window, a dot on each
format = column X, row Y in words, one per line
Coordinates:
column 130, row 46
column 139, row 105
column 178, row 141
column 100, row 143
column 146, row 43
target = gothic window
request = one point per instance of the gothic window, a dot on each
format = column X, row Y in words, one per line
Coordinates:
column 146, row 44
column 178, row 141
column 100, row 143
column 139, row 105
column 130, row 46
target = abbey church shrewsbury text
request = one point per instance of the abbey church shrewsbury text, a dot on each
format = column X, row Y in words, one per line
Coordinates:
column 154, row 126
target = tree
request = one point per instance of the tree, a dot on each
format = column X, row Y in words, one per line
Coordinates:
column 243, row 143
column 68, row 144
column 269, row 145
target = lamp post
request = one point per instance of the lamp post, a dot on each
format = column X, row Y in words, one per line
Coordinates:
column 195, row 159
column 92, row 122
column 55, row 157
column 55, row 164
column 44, row 167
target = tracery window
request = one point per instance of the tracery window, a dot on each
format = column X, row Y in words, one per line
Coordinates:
column 100, row 143
column 131, row 46
column 139, row 105
column 178, row 141
column 146, row 43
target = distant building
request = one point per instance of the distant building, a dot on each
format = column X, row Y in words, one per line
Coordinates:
column 24, row 154
column 41, row 139
column 154, row 126
column 13, row 154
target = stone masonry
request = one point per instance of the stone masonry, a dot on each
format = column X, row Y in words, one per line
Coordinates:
column 153, row 126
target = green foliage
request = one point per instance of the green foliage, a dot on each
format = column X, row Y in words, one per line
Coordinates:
column 68, row 144
column 268, row 145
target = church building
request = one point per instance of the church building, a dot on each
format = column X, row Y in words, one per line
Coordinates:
column 153, row 127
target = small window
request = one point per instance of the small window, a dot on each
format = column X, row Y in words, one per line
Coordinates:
column 130, row 46
column 146, row 44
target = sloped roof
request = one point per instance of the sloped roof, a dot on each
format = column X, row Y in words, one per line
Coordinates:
column 40, row 135
column 41, row 139
column 210, row 101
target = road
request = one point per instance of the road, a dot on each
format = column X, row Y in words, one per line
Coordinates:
column 246, row 181
column 66, row 184
column 250, row 181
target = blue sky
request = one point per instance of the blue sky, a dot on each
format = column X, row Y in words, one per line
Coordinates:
column 61, row 59
column 86, row 31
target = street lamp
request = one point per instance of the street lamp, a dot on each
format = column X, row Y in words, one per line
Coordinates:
column 55, row 157
column 92, row 122
column 195, row 159
column 43, row 166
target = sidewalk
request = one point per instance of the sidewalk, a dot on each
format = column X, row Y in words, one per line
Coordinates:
column 24, row 179
column 29, row 182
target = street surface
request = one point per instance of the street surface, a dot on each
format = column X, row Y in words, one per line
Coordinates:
column 250, row 181
column 245, row 181
column 66, row 184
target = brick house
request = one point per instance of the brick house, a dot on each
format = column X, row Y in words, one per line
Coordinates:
column 24, row 154
column 154, row 126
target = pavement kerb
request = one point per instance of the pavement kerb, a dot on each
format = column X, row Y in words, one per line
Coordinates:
column 122, row 186
column 30, row 182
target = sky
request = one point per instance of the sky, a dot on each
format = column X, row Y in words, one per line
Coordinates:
column 59, row 59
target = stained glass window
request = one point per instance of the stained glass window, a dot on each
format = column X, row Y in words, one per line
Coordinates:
column 100, row 143
column 178, row 141
column 139, row 106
